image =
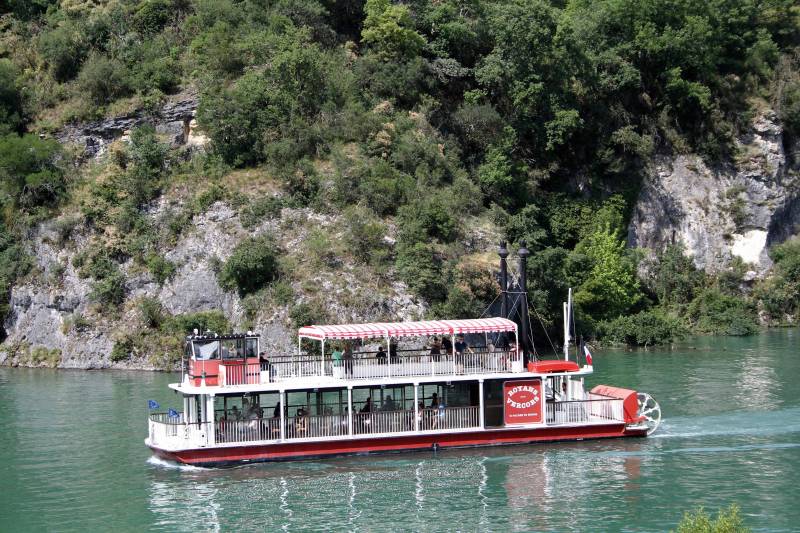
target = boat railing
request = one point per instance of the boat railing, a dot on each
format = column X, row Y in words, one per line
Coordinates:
column 584, row 411
column 254, row 429
column 173, row 432
column 370, row 366
column 301, row 427
column 445, row 418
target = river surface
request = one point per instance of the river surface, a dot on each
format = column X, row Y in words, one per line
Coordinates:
column 72, row 458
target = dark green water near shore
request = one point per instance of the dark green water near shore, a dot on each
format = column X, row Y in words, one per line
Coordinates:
column 72, row 458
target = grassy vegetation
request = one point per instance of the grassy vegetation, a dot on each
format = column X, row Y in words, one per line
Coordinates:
column 400, row 122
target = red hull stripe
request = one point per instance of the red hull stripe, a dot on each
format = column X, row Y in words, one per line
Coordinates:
column 306, row 450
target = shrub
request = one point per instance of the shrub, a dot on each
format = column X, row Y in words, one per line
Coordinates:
column 152, row 312
column 202, row 321
column 110, row 289
column 716, row 313
column 152, row 15
column 646, row 328
column 307, row 314
column 421, row 269
column 728, row 521
column 123, row 349
column 260, row 209
column 364, row 235
column 251, row 266
column 104, row 79
column 64, row 50
column 11, row 113
column 674, row 279
column 30, row 173
column 161, row 268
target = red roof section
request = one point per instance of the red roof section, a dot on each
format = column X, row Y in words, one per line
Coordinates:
column 408, row 329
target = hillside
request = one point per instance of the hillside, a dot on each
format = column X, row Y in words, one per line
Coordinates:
column 170, row 164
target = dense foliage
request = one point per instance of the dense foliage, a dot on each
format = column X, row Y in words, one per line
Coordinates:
column 419, row 116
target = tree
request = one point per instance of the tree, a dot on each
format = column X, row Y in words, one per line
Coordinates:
column 387, row 29
column 252, row 265
column 30, row 174
column 611, row 288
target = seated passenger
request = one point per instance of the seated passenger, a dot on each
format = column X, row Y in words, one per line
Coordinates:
column 367, row 406
column 388, row 404
column 381, row 355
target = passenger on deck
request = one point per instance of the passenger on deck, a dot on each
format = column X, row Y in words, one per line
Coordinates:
column 235, row 414
column 337, row 356
column 264, row 363
column 276, row 413
column 301, row 422
column 393, row 351
column 381, row 356
column 348, row 360
column 388, row 404
column 435, row 401
column 461, row 347
column 436, row 349
column 447, row 345
column 367, row 406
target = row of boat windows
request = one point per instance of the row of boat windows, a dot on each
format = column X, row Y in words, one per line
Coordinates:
column 204, row 350
column 334, row 402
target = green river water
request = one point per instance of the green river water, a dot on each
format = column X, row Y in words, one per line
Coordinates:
column 72, row 458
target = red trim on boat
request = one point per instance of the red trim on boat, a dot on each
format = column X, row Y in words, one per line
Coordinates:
column 306, row 450
column 544, row 367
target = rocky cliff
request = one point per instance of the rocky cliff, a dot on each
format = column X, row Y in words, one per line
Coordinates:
column 721, row 212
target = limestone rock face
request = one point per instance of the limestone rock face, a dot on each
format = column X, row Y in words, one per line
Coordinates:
column 722, row 212
column 43, row 328
column 175, row 121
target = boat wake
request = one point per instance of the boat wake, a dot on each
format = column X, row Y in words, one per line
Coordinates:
column 760, row 423
column 169, row 465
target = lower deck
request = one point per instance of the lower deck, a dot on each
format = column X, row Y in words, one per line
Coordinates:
column 425, row 413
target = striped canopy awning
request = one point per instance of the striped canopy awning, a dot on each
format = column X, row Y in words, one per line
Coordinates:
column 408, row 329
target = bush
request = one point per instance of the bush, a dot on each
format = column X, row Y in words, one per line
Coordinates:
column 110, row 289
column 30, row 173
column 780, row 294
column 202, row 321
column 162, row 269
column 307, row 314
column 123, row 349
column 646, row 328
column 719, row 314
column 252, row 265
column 728, row 521
column 64, row 50
column 152, row 312
column 364, row 235
column 421, row 269
column 104, row 79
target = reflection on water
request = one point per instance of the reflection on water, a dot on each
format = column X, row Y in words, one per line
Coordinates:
column 731, row 433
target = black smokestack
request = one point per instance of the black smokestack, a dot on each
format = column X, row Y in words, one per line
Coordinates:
column 523, row 287
column 502, row 251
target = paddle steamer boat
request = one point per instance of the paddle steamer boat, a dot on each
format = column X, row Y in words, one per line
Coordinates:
column 370, row 388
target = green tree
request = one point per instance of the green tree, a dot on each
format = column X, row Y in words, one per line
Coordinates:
column 251, row 266
column 388, row 29
column 30, row 173
column 611, row 287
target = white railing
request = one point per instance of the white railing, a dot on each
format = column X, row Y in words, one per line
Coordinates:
column 304, row 427
column 174, row 433
column 428, row 365
column 248, row 430
column 584, row 411
column 367, row 366
column 403, row 421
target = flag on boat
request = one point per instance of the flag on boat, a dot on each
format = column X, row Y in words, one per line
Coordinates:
column 152, row 404
column 172, row 413
column 587, row 354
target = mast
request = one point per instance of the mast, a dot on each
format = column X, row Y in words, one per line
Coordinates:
column 502, row 251
column 567, row 323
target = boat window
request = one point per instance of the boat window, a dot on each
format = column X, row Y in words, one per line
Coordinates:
column 205, row 350
column 251, row 347
column 233, row 349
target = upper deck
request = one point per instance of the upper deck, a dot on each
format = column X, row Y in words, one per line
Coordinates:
column 357, row 353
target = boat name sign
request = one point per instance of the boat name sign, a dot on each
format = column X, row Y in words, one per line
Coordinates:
column 523, row 401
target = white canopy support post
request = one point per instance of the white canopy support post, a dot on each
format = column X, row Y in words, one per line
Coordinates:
column 283, row 414
column 389, row 352
column 322, row 359
column 212, row 440
column 480, row 404
column 350, row 410
column 417, row 414
column 516, row 344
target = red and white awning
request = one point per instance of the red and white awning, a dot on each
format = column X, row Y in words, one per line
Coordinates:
column 408, row 329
